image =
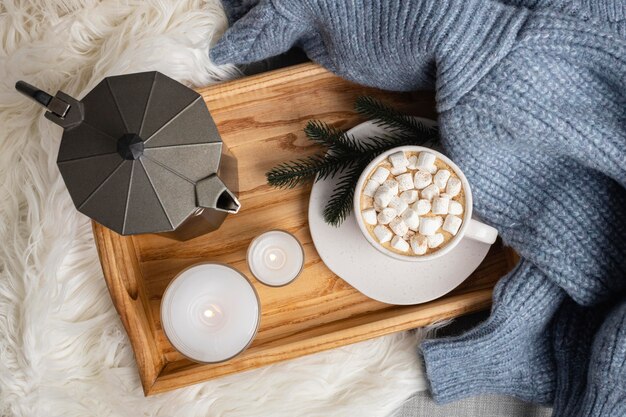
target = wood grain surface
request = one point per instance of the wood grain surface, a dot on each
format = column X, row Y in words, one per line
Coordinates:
column 261, row 120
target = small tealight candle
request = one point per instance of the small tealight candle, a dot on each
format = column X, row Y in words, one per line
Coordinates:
column 275, row 258
column 210, row 312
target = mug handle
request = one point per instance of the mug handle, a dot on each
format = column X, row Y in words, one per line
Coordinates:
column 481, row 232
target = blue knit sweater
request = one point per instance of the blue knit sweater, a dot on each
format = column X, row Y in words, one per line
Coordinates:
column 531, row 97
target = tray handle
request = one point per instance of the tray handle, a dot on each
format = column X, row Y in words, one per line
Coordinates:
column 129, row 279
column 119, row 262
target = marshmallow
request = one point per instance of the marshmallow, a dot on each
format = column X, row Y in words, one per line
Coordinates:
column 408, row 235
column 419, row 244
column 380, row 175
column 422, row 207
column 378, row 207
column 455, row 208
column 398, row 171
column 435, row 240
column 405, row 182
column 454, row 186
column 441, row 204
column 410, row 196
column 411, row 219
column 369, row 216
column 422, row 179
column 383, row 196
column 429, row 225
column 382, row 233
column 425, row 161
column 398, row 160
column 370, row 188
column 430, row 192
column 386, row 215
column 441, row 178
column 412, row 162
column 399, row 244
column 398, row 204
column 432, row 169
column 399, row 227
column 452, row 224
column 392, row 185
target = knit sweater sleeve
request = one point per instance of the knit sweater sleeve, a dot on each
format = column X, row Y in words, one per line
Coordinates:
column 589, row 348
column 605, row 390
column 510, row 353
column 394, row 45
column 540, row 346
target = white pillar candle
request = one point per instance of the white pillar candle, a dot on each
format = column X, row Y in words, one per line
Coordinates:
column 275, row 258
column 210, row 312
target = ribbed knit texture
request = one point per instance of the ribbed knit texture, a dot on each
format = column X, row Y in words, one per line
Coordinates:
column 511, row 353
column 532, row 102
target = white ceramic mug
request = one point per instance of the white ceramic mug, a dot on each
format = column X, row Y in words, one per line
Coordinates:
column 470, row 228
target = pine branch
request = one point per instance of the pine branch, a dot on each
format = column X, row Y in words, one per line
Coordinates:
column 376, row 145
column 339, row 205
column 330, row 137
column 291, row 174
column 348, row 157
column 389, row 118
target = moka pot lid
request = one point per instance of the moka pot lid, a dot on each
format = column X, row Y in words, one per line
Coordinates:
column 134, row 149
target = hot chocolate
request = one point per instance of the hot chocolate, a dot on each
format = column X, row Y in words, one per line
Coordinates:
column 412, row 203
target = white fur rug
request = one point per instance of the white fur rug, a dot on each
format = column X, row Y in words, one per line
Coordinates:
column 63, row 350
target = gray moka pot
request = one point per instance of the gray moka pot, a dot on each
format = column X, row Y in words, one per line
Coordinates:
column 140, row 153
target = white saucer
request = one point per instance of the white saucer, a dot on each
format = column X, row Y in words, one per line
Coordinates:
column 345, row 251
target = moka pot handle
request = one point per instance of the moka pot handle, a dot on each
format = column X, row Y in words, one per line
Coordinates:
column 63, row 109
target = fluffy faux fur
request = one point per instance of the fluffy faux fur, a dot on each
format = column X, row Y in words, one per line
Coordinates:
column 63, row 350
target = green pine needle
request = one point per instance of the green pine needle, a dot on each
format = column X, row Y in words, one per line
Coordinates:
column 329, row 136
column 300, row 171
column 339, row 205
column 348, row 157
column 389, row 118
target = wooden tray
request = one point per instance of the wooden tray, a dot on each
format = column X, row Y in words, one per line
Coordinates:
column 261, row 119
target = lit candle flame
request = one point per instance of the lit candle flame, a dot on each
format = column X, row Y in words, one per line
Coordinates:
column 272, row 257
column 209, row 313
